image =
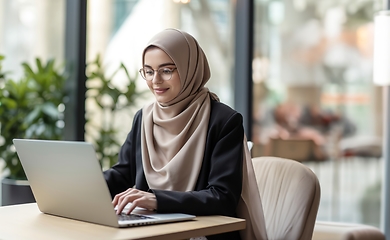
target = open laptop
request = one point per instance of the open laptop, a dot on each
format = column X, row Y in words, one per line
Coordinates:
column 67, row 181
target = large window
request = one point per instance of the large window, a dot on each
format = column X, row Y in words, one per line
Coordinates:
column 118, row 30
column 31, row 29
column 313, row 81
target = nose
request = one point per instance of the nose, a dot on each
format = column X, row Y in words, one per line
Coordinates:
column 156, row 78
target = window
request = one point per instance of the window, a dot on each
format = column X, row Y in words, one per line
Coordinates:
column 118, row 31
column 31, row 29
column 312, row 73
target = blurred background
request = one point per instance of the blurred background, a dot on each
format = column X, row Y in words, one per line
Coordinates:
column 313, row 99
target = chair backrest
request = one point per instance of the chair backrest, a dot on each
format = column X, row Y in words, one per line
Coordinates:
column 290, row 194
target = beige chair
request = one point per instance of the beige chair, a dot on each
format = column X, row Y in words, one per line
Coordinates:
column 290, row 194
column 346, row 231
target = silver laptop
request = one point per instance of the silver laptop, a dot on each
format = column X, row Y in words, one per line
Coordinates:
column 67, row 181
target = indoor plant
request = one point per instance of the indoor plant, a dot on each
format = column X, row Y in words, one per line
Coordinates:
column 114, row 103
column 31, row 107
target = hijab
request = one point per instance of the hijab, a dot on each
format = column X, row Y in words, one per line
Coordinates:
column 178, row 129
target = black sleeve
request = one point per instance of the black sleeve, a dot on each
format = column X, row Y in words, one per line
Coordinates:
column 122, row 175
column 223, row 186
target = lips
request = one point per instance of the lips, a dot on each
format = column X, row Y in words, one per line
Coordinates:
column 160, row 90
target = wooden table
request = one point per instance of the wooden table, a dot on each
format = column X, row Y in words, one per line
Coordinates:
column 25, row 221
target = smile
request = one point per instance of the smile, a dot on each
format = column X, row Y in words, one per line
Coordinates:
column 160, row 90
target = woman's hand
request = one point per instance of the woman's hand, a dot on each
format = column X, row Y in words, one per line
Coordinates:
column 137, row 198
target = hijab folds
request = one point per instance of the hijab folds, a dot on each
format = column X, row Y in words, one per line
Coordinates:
column 173, row 131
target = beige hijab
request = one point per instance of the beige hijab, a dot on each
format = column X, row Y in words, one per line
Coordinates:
column 174, row 134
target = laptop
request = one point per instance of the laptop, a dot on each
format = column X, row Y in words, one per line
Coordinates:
column 67, row 181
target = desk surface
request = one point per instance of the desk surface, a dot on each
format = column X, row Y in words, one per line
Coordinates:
column 25, row 221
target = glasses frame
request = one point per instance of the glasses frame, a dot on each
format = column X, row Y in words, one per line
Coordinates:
column 142, row 72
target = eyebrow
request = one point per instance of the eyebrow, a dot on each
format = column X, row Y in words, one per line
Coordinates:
column 161, row 65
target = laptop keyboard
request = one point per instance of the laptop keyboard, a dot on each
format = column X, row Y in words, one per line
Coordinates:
column 131, row 216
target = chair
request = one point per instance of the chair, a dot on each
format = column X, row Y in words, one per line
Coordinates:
column 290, row 194
column 298, row 149
column 346, row 231
column 362, row 146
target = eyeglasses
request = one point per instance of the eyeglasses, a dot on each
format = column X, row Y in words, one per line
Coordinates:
column 148, row 73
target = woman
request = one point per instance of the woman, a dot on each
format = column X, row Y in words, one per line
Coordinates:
column 185, row 151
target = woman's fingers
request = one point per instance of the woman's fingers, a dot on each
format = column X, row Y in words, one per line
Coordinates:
column 137, row 198
column 145, row 200
column 122, row 199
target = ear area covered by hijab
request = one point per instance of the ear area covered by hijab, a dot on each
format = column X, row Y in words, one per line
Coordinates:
column 189, row 58
column 174, row 131
column 164, row 149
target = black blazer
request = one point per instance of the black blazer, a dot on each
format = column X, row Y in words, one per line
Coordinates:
column 218, row 188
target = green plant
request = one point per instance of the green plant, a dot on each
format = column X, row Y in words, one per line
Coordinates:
column 111, row 102
column 31, row 107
